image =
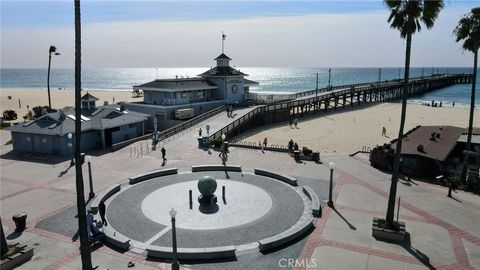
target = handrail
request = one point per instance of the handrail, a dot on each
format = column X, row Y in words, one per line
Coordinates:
column 173, row 130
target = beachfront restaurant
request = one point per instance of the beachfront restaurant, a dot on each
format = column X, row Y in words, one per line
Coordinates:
column 431, row 151
column 164, row 98
column 101, row 127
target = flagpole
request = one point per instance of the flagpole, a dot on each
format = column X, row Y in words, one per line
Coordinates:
column 223, row 39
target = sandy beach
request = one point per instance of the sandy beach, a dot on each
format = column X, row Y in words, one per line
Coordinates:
column 60, row 98
column 347, row 131
column 342, row 131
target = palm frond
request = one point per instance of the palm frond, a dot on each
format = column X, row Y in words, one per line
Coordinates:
column 468, row 30
column 407, row 15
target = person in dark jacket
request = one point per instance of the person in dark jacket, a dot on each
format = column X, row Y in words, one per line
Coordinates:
column 102, row 209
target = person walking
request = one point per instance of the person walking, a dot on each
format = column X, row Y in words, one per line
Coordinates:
column 101, row 210
column 222, row 150
column 164, row 152
column 265, row 142
column 295, row 122
column 295, row 147
column 200, row 132
column 384, row 132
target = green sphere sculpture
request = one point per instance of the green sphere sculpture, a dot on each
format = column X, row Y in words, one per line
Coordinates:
column 207, row 185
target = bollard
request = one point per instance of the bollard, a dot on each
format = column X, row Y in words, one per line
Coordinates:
column 223, row 192
column 190, row 196
column 19, row 104
column 20, row 222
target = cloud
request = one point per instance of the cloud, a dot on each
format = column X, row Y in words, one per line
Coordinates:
column 321, row 40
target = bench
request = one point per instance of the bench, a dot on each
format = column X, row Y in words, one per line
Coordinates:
column 284, row 178
column 150, row 175
column 103, row 196
column 316, row 207
column 286, row 236
column 206, row 168
column 192, row 253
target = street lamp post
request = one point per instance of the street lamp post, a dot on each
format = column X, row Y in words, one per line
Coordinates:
column 51, row 50
column 70, row 146
column 316, row 86
column 175, row 265
column 91, row 195
column 329, row 77
column 330, row 201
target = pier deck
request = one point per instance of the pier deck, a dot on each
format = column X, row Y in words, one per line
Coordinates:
column 336, row 97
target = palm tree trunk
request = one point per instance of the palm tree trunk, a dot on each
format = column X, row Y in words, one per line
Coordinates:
column 48, row 81
column 398, row 149
column 472, row 101
column 82, row 219
column 3, row 244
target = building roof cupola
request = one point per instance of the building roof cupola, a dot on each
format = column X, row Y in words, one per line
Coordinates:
column 88, row 102
column 223, row 60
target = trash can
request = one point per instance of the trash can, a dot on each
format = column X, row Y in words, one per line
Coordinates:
column 20, row 222
column 296, row 155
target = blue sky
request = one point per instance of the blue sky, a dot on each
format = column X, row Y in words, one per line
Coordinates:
column 58, row 13
column 260, row 33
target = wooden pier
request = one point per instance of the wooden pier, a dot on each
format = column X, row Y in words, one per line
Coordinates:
column 337, row 97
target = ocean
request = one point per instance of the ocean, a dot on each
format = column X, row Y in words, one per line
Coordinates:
column 272, row 80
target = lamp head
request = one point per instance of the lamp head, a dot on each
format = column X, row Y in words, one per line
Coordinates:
column 223, row 136
column 173, row 213
column 69, row 135
column 332, row 165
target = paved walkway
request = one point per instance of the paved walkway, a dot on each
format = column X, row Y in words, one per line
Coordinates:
column 444, row 232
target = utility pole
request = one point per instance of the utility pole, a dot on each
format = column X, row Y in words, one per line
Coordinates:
column 316, row 87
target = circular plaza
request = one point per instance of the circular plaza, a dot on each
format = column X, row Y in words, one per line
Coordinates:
column 257, row 210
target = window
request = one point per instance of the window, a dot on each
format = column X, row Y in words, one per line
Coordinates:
column 201, row 94
column 187, row 94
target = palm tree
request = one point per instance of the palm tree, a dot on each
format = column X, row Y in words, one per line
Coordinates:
column 468, row 31
column 406, row 16
column 3, row 243
column 82, row 219
column 51, row 50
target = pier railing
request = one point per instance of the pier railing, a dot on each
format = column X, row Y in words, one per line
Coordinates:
column 265, row 98
column 327, row 94
column 173, row 130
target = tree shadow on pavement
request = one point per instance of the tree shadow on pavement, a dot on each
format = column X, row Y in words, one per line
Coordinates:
column 344, row 219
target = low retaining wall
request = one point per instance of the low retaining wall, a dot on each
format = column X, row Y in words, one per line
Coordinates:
column 192, row 253
column 284, row 178
column 316, row 206
column 204, row 168
column 104, row 195
column 150, row 175
column 286, row 236
column 115, row 238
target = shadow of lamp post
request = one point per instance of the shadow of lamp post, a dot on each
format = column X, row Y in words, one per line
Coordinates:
column 51, row 50
column 175, row 265
column 91, row 195
column 330, row 201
